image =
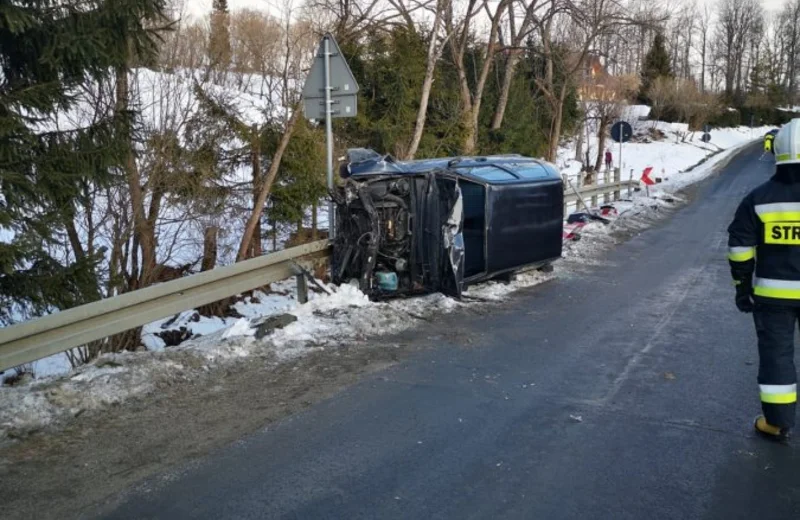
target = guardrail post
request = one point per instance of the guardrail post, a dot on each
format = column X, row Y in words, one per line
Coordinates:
column 630, row 184
column 606, row 182
column 302, row 288
column 595, row 184
column 617, row 181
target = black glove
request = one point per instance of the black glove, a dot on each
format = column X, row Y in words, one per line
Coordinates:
column 744, row 297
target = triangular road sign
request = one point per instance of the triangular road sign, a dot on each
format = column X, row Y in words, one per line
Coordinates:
column 342, row 81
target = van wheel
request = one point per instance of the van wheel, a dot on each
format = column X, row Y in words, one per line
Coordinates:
column 547, row 268
column 506, row 278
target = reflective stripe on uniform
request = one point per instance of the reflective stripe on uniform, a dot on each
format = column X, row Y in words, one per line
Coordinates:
column 778, row 394
column 741, row 254
column 778, row 212
column 781, row 289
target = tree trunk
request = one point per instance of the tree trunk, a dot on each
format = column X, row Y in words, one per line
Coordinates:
column 555, row 129
column 466, row 106
column 143, row 232
column 555, row 135
column 601, row 142
column 209, row 248
column 74, row 240
column 508, row 78
column 314, row 223
column 427, row 85
column 703, row 66
column 274, row 236
column 255, row 158
column 471, row 103
column 579, row 147
column 266, row 185
column 487, row 67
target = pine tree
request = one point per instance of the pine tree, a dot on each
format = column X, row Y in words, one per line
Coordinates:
column 219, row 46
column 47, row 52
column 656, row 65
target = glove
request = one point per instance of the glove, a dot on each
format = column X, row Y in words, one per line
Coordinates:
column 744, row 297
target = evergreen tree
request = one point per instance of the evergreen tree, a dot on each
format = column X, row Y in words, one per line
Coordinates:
column 48, row 51
column 220, row 40
column 526, row 127
column 390, row 68
column 656, row 65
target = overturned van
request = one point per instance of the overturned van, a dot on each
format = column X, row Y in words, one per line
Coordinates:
column 441, row 224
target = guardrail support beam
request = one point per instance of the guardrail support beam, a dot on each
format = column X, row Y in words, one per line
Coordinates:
column 302, row 288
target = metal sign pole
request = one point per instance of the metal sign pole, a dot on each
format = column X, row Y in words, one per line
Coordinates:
column 620, row 154
column 330, row 81
column 329, row 136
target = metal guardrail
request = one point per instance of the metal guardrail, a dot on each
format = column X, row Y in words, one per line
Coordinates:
column 611, row 190
column 56, row 333
column 589, row 194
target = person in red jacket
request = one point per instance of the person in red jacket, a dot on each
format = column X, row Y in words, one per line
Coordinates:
column 609, row 159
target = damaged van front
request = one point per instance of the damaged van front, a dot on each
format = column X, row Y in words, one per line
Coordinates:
column 417, row 227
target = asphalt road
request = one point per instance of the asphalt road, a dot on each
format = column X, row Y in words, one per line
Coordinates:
column 624, row 392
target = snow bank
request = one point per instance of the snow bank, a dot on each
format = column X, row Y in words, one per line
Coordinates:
column 678, row 152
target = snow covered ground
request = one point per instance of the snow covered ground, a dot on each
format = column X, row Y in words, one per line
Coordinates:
column 327, row 321
column 676, row 152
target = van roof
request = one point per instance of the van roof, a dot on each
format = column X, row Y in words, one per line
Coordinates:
column 491, row 169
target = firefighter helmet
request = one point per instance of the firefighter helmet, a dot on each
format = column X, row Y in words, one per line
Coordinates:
column 787, row 143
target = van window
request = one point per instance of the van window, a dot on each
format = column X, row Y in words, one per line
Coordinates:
column 528, row 170
column 489, row 173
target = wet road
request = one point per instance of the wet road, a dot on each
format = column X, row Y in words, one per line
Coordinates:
column 625, row 392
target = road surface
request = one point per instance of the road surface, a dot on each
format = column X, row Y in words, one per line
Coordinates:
column 624, row 392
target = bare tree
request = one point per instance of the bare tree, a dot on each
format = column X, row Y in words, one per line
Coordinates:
column 607, row 97
column 460, row 31
column 790, row 15
column 348, row 19
column 662, row 95
column 433, row 55
column 704, row 22
column 737, row 19
column 514, row 52
column 586, row 22
column 296, row 47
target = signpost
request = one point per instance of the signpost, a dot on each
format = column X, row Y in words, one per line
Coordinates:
column 330, row 91
column 621, row 132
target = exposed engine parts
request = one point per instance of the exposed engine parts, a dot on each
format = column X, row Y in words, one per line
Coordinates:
column 436, row 225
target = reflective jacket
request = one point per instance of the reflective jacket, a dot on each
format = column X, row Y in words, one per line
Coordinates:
column 764, row 239
column 768, row 142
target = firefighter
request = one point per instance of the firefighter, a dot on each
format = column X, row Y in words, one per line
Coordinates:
column 768, row 142
column 764, row 256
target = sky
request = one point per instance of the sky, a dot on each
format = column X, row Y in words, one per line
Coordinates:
column 203, row 7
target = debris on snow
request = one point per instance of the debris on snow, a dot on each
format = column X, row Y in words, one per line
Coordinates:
column 240, row 328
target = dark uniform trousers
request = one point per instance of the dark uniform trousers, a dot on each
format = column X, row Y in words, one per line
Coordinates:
column 775, row 327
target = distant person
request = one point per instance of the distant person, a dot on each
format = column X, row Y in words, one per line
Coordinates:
column 609, row 159
column 768, row 140
column 764, row 256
